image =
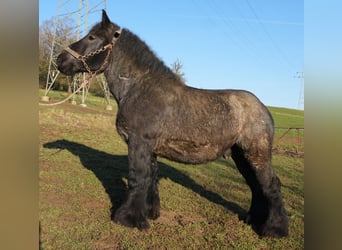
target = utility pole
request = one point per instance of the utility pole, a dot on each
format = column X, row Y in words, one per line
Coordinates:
column 300, row 75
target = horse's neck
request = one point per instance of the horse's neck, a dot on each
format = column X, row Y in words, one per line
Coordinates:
column 125, row 71
column 118, row 85
column 121, row 76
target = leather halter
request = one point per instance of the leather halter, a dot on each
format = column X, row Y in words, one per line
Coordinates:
column 83, row 58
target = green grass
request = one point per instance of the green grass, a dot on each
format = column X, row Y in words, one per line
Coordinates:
column 284, row 118
column 83, row 174
column 289, row 118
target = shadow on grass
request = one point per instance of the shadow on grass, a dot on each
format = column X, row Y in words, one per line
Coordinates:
column 110, row 169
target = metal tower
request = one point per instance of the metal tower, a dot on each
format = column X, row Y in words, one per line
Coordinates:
column 80, row 12
column 300, row 75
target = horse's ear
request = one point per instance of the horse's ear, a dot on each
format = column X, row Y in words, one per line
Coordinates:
column 105, row 19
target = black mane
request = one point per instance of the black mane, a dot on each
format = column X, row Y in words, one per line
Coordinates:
column 141, row 55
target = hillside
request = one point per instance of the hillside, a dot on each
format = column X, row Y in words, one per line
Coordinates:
column 287, row 118
column 83, row 178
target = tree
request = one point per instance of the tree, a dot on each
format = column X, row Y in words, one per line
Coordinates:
column 177, row 69
column 63, row 34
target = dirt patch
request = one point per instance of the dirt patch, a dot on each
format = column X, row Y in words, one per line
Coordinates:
column 108, row 243
column 173, row 218
column 67, row 107
column 52, row 200
column 288, row 153
column 86, row 110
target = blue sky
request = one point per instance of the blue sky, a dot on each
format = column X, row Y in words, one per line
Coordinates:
column 223, row 44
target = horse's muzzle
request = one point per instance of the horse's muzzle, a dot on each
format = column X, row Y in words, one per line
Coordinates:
column 65, row 64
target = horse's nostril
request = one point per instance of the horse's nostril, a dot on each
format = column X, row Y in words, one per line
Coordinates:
column 59, row 59
column 60, row 63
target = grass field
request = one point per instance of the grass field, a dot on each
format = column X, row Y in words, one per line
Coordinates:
column 83, row 178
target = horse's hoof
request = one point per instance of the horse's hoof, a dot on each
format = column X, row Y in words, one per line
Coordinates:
column 248, row 219
column 143, row 225
column 154, row 214
column 276, row 230
column 130, row 220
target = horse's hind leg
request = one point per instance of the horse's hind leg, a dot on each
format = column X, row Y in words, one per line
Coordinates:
column 267, row 214
column 153, row 201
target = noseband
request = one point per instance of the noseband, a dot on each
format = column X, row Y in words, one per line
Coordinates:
column 83, row 58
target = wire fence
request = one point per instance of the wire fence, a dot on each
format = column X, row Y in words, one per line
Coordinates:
column 289, row 140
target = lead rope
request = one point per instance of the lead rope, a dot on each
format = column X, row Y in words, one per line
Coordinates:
column 84, row 84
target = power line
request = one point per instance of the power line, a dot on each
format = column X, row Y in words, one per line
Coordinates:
column 273, row 42
column 233, row 33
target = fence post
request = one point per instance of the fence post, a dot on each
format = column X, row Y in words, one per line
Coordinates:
column 298, row 141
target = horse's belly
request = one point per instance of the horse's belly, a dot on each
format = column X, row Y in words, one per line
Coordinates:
column 189, row 151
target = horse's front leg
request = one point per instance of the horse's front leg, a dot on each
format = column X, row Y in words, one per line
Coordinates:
column 134, row 211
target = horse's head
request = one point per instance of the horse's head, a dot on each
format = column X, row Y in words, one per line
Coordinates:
column 92, row 52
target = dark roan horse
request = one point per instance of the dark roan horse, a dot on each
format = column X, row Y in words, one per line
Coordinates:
column 158, row 115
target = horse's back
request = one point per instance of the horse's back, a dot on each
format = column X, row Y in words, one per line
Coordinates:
column 240, row 108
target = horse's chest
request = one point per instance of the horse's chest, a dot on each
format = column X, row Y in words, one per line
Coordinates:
column 122, row 127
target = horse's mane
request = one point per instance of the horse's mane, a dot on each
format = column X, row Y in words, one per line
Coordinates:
column 141, row 55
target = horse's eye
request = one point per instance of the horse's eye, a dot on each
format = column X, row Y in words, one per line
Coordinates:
column 91, row 37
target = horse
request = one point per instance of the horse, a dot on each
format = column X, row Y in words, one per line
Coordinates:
column 159, row 115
